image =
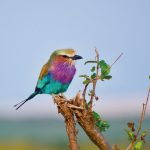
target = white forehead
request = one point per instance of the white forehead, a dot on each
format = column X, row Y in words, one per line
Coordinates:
column 68, row 52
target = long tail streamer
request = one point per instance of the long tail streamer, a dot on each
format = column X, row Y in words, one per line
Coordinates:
column 18, row 105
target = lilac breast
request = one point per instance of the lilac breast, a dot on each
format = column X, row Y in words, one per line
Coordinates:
column 63, row 72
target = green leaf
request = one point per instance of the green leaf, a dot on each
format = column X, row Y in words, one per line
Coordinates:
column 144, row 133
column 90, row 93
column 149, row 77
column 90, row 62
column 101, row 124
column 86, row 81
column 108, row 77
column 130, row 134
column 93, row 69
column 96, row 116
column 138, row 145
column 89, row 103
column 83, row 76
column 93, row 75
column 105, row 70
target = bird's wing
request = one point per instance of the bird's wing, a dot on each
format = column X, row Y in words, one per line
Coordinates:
column 44, row 71
column 43, row 79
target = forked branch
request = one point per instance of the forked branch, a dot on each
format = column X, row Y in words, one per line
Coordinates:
column 80, row 109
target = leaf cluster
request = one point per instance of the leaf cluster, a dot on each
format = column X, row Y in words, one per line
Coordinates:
column 100, row 124
column 132, row 136
column 104, row 69
column 99, row 70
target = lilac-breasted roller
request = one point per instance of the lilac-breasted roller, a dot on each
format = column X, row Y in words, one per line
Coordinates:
column 56, row 75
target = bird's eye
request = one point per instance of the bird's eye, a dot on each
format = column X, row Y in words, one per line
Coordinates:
column 65, row 56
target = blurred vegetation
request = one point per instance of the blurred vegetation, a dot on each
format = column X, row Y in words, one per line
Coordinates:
column 50, row 134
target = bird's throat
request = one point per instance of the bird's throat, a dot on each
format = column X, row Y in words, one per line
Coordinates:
column 63, row 72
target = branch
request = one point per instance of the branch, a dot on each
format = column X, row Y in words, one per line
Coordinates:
column 62, row 105
column 78, row 107
column 84, row 91
column 86, row 121
column 144, row 108
column 116, row 60
column 95, row 81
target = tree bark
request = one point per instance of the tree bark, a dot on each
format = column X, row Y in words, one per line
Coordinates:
column 85, row 120
column 74, row 108
column 68, row 115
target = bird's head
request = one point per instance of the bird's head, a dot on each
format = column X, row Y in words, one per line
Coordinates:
column 65, row 55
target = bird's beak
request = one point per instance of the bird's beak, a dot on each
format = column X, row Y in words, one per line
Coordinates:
column 75, row 57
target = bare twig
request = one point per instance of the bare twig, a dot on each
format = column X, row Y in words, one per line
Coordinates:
column 90, row 62
column 143, row 113
column 97, row 60
column 95, row 81
column 142, row 116
column 147, row 101
column 116, row 60
column 93, row 93
column 84, row 91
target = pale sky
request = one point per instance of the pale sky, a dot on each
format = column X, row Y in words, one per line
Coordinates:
column 31, row 30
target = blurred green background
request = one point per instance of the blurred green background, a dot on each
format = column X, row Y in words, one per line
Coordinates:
column 50, row 134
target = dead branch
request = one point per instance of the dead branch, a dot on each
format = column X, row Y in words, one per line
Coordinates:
column 67, row 113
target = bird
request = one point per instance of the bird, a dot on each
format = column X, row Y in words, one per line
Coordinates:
column 56, row 75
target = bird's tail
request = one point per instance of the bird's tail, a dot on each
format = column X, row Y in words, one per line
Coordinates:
column 24, row 101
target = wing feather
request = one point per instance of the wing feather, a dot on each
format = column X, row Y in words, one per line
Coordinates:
column 43, row 78
column 44, row 71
